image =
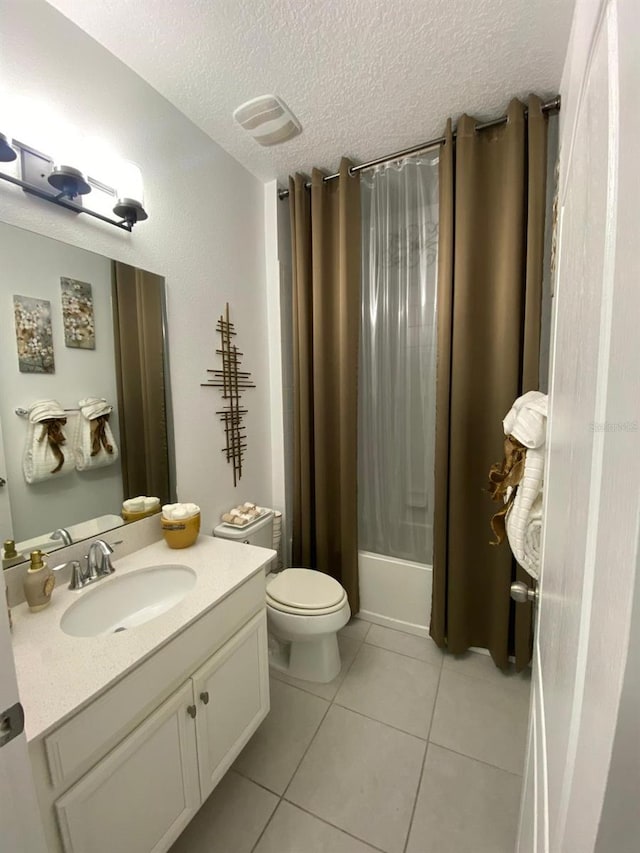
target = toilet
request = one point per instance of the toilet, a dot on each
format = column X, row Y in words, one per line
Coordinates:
column 305, row 611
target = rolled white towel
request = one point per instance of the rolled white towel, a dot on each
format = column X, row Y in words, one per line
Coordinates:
column 95, row 446
column 48, row 452
column 532, row 548
column 179, row 511
column 93, row 407
column 44, row 410
column 526, row 420
column 525, row 534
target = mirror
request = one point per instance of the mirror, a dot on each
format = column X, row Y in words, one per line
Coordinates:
column 75, row 325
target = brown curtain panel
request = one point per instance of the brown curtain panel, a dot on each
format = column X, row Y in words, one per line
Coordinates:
column 140, row 375
column 325, row 239
column 492, row 207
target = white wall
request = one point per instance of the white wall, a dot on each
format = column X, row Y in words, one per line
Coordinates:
column 32, row 266
column 205, row 233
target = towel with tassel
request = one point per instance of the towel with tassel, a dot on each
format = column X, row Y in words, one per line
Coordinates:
column 95, row 446
column 47, row 453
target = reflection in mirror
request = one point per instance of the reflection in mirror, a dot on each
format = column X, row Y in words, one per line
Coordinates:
column 77, row 329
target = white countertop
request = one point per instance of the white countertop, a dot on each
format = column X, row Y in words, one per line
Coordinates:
column 59, row 674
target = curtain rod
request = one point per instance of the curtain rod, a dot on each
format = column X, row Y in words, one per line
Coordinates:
column 552, row 106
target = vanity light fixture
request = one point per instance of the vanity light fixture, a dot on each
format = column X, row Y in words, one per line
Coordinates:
column 130, row 210
column 69, row 182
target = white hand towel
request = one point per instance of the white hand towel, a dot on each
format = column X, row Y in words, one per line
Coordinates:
column 95, row 446
column 40, row 461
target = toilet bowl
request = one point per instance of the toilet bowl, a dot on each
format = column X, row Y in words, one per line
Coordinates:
column 305, row 611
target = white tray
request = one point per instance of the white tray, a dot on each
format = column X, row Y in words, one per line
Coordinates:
column 247, row 523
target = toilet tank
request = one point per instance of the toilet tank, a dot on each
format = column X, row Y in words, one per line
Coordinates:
column 258, row 532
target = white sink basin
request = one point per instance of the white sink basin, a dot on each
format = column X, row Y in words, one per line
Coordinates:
column 127, row 601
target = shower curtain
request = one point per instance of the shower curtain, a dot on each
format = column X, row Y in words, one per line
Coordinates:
column 325, row 245
column 396, row 405
column 492, row 212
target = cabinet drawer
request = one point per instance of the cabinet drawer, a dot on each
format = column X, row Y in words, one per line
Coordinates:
column 78, row 744
column 142, row 795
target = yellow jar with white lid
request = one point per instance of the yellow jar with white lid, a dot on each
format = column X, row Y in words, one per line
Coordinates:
column 180, row 524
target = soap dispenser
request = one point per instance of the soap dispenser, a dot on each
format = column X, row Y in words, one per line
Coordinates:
column 10, row 556
column 38, row 583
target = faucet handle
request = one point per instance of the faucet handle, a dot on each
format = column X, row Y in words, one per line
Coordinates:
column 78, row 577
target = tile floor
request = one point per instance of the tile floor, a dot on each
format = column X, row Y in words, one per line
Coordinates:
column 408, row 750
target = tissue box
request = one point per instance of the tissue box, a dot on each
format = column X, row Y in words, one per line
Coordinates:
column 181, row 533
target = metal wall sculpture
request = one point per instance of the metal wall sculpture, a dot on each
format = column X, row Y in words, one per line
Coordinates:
column 232, row 381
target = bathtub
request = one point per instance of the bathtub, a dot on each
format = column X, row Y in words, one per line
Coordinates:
column 395, row 593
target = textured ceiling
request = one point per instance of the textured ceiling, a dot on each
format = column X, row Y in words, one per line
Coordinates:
column 364, row 77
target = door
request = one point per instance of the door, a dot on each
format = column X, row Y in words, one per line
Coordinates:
column 231, row 692
column 20, row 829
column 592, row 493
column 142, row 795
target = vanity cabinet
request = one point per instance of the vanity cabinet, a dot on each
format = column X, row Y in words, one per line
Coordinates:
column 134, row 786
column 142, row 795
column 231, row 698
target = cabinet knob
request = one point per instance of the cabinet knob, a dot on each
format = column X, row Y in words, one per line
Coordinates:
column 204, row 696
column 192, row 711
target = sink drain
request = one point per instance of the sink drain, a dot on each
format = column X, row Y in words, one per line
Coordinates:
column 119, row 629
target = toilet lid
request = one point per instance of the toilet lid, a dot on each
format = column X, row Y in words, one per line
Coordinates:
column 305, row 589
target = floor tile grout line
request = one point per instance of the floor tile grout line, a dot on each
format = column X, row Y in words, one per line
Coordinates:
column 334, row 826
column 351, row 637
column 382, row 722
column 308, row 747
column 300, row 687
column 479, row 760
column 264, row 828
column 402, row 654
column 282, row 796
column 264, row 787
column 424, row 763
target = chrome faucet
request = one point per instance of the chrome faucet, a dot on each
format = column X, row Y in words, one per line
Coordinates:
column 97, row 565
column 98, row 560
column 63, row 534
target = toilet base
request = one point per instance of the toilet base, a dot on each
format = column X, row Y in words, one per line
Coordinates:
column 316, row 660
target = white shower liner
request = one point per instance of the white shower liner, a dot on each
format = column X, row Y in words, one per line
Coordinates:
column 395, row 593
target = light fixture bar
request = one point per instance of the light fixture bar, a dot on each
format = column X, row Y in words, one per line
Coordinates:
column 60, row 201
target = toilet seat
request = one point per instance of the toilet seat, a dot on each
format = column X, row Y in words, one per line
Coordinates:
column 305, row 592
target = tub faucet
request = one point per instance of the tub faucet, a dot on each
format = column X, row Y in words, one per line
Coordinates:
column 63, row 534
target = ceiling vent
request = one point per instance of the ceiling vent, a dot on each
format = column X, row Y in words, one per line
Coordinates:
column 268, row 119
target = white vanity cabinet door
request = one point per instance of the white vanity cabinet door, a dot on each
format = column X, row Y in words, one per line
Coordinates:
column 231, row 692
column 141, row 796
